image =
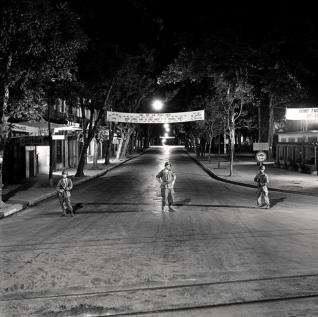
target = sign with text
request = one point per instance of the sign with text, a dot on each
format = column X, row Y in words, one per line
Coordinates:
column 261, row 146
column 302, row 113
column 24, row 128
column 58, row 137
column 155, row 117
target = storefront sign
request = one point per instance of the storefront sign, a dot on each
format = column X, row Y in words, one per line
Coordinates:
column 58, row 137
column 302, row 113
column 261, row 146
column 155, row 117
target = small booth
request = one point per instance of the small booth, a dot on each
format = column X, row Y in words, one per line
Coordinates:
column 297, row 150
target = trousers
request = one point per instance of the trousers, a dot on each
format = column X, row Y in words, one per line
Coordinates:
column 262, row 196
column 65, row 203
column 167, row 195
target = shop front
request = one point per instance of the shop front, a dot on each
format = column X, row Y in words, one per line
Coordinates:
column 298, row 151
column 28, row 151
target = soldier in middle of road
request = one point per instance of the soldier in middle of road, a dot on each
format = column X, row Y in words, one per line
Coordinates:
column 262, row 191
column 64, row 187
column 167, row 178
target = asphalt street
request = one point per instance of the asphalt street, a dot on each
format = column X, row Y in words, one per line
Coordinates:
column 120, row 255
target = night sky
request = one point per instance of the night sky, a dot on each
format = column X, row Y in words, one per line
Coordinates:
column 167, row 25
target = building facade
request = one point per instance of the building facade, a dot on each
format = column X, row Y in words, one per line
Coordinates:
column 297, row 151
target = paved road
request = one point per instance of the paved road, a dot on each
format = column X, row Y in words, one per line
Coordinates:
column 121, row 255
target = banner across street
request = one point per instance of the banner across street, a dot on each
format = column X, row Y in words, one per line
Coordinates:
column 155, row 117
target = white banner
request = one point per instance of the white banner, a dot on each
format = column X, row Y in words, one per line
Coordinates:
column 302, row 113
column 155, row 117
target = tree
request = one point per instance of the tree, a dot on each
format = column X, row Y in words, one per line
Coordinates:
column 134, row 84
column 37, row 39
column 279, row 84
column 228, row 66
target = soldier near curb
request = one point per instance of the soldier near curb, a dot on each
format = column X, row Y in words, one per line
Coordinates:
column 64, row 187
column 167, row 178
column 262, row 191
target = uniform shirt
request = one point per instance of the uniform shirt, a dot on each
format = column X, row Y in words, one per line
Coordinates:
column 167, row 178
column 64, row 184
column 261, row 179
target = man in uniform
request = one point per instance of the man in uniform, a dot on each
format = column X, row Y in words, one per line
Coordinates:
column 64, row 187
column 262, row 191
column 167, row 178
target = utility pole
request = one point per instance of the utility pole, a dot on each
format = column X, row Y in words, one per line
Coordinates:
column 51, row 181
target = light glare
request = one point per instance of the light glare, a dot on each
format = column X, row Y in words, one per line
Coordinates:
column 157, row 105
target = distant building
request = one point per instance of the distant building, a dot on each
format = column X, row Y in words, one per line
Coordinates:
column 28, row 152
column 297, row 146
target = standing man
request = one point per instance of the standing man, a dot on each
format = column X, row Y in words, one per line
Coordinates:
column 64, row 187
column 262, row 191
column 167, row 178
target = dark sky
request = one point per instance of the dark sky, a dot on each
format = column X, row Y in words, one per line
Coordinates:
column 130, row 20
column 159, row 23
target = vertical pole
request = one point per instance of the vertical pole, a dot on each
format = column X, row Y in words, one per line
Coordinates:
column 219, row 151
column 259, row 122
column 50, row 145
column 315, row 150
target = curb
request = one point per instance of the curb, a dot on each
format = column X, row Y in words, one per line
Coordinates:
column 16, row 207
column 11, row 209
column 221, row 179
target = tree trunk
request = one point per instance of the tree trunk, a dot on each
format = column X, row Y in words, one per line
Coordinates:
column 232, row 143
column 259, row 122
column 210, row 145
column 82, row 160
column 271, row 127
column 126, row 143
column 95, row 157
column 224, row 142
column 3, row 133
column 51, row 144
column 120, row 147
column 219, row 151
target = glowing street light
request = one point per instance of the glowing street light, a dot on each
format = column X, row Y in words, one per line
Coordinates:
column 157, row 105
column 166, row 125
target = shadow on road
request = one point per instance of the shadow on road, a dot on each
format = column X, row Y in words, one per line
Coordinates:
column 276, row 201
column 79, row 208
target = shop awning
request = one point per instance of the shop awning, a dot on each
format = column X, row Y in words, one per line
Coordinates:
column 41, row 127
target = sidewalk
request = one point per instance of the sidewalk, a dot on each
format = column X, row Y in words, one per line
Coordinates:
column 245, row 169
column 32, row 191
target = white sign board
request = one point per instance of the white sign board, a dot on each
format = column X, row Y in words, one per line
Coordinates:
column 58, row 137
column 302, row 113
column 30, row 148
column 261, row 146
column 261, row 156
column 155, row 117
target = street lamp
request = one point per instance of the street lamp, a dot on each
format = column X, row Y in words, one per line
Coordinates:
column 157, row 105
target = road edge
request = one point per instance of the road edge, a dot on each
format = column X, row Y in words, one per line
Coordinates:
column 221, row 179
column 13, row 208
